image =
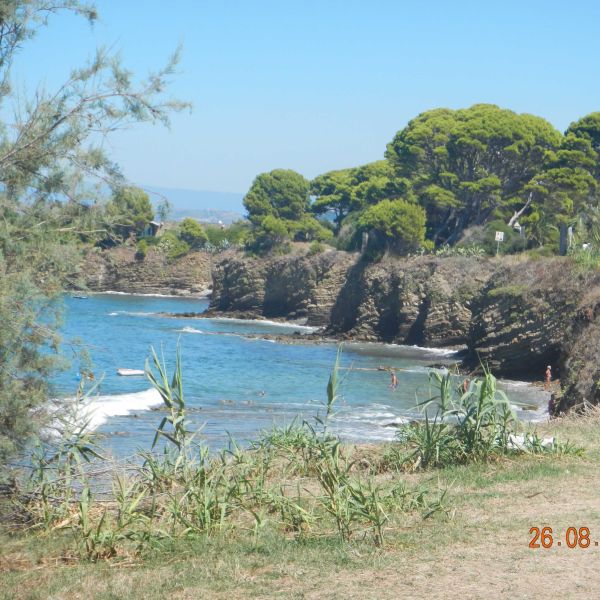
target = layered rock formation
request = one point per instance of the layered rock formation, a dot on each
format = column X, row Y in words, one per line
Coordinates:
column 423, row 301
column 295, row 287
column 118, row 270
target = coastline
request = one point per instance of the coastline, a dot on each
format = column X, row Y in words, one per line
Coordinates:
column 385, row 357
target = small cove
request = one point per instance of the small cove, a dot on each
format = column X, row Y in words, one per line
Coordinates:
column 237, row 382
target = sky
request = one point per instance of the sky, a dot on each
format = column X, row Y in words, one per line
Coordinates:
column 320, row 85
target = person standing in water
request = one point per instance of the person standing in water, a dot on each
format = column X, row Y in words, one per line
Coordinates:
column 548, row 377
column 394, row 381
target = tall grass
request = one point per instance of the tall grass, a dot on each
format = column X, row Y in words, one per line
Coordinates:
column 465, row 425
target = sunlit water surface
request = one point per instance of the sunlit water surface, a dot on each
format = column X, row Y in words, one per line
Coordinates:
column 238, row 383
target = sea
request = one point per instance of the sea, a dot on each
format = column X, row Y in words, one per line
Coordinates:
column 240, row 377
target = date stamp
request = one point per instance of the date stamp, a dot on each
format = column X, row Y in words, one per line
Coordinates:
column 572, row 537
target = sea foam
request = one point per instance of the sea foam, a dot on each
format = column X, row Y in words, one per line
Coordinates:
column 98, row 409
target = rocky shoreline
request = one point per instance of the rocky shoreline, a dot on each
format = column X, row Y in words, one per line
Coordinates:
column 512, row 314
column 119, row 270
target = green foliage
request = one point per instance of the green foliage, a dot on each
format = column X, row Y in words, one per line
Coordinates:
column 271, row 232
column 467, row 168
column 237, row 233
column 471, row 250
column 464, row 425
column 277, row 205
column 142, row 250
column 129, row 210
column 350, row 190
column 308, row 228
column 315, row 248
column 172, row 246
column 51, row 164
column 586, row 259
column 54, row 146
column 192, row 233
column 280, row 194
column 512, row 243
column 398, row 224
column 163, row 210
column 588, row 128
column 171, row 393
column 34, row 262
column 216, row 234
column 470, row 164
column 186, row 492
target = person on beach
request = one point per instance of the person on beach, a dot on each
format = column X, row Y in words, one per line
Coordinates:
column 394, row 381
column 548, row 377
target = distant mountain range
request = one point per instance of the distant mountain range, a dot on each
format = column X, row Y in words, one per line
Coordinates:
column 203, row 205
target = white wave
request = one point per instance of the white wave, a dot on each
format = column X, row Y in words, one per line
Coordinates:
column 365, row 434
column 517, row 384
column 99, row 409
column 225, row 333
column 131, row 313
column 437, row 351
column 201, row 295
column 283, row 325
column 391, row 350
column 204, row 332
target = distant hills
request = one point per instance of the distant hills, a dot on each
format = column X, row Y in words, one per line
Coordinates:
column 203, row 205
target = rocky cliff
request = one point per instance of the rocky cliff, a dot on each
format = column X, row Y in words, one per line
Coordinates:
column 515, row 315
column 295, row 287
column 119, row 270
column 423, row 301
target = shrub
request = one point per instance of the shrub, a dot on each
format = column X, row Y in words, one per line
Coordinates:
column 142, row 250
column 308, row 228
column 513, row 242
column 464, row 425
column 315, row 248
column 271, row 233
column 396, row 225
column 192, row 233
column 172, row 246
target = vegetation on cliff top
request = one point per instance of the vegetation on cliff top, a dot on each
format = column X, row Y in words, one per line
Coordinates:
column 472, row 171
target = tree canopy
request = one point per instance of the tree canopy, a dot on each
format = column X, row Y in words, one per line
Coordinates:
column 467, row 168
column 470, row 165
column 278, row 205
column 130, row 210
column 348, row 190
column 396, row 224
column 191, row 232
column 281, row 193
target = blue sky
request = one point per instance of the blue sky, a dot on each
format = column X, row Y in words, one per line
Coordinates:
column 318, row 85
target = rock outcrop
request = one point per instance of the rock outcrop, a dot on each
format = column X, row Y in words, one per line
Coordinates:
column 423, row 301
column 296, row 287
column 118, row 270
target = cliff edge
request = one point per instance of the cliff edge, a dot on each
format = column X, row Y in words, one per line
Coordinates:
column 512, row 313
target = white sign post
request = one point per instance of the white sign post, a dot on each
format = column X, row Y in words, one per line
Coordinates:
column 499, row 238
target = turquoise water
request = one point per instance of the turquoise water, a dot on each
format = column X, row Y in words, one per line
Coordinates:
column 236, row 382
